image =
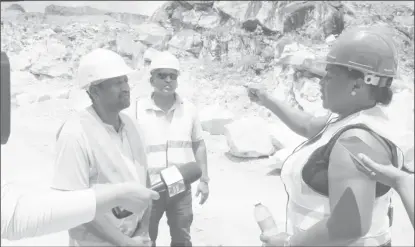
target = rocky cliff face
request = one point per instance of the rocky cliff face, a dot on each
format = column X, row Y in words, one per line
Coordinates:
column 221, row 44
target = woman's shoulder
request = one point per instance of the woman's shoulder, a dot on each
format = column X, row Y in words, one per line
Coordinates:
column 366, row 140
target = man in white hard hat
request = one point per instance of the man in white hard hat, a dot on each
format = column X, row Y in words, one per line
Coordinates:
column 100, row 145
column 173, row 136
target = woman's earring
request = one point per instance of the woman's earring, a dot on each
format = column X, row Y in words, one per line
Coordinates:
column 353, row 93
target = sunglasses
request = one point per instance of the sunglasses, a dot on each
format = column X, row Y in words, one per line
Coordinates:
column 163, row 76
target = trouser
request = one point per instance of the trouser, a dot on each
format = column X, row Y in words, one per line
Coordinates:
column 179, row 214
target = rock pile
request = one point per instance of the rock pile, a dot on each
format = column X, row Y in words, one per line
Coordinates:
column 274, row 43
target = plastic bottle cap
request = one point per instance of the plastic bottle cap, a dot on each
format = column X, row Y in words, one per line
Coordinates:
column 257, row 204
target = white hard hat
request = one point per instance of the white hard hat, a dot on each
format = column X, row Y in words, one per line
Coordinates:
column 164, row 60
column 100, row 64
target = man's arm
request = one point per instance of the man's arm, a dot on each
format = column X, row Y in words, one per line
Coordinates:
column 352, row 197
column 31, row 212
column 199, row 147
column 28, row 212
column 300, row 122
column 199, row 150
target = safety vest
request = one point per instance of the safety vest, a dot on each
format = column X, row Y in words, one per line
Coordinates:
column 109, row 166
column 170, row 147
column 306, row 207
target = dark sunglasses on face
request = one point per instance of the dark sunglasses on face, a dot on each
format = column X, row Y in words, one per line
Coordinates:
column 163, row 76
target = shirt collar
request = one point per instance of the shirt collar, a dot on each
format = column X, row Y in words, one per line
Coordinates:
column 91, row 110
column 151, row 105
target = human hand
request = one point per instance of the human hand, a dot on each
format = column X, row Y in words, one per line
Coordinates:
column 256, row 93
column 385, row 174
column 203, row 190
column 135, row 197
column 280, row 239
column 131, row 196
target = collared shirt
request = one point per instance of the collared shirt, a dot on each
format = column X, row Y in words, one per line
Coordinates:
column 77, row 168
column 162, row 128
column 73, row 166
column 163, row 118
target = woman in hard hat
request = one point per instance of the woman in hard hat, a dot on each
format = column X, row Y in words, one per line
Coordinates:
column 402, row 182
column 330, row 202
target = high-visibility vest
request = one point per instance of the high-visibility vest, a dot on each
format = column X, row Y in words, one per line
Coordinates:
column 175, row 148
column 109, row 166
column 306, row 207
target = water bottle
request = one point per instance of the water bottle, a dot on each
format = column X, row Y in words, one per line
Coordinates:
column 265, row 220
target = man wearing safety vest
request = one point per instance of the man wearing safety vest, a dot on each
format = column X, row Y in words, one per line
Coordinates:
column 330, row 202
column 100, row 145
column 173, row 135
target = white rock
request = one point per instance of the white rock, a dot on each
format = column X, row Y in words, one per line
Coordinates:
column 80, row 99
column 279, row 157
column 151, row 34
column 330, row 39
column 249, row 138
column 283, row 137
column 20, row 80
column 44, row 97
column 149, row 54
column 21, row 61
column 214, row 118
column 205, row 134
column 25, row 99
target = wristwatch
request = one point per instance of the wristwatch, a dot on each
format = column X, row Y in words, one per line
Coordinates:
column 205, row 180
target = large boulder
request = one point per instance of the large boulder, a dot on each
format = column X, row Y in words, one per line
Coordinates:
column 189, row 14
column 25, row 99
column 54, row 9
column 208, row 20
column 214, row 118
column 48, row 60
column 16, row 7
column 153, row 35
column 200, row 5
column 187, row 40
column 128, row 18
column 249, row 138
column 323, row 18
column 128, row 47
column 282, row 136
column 264, row 13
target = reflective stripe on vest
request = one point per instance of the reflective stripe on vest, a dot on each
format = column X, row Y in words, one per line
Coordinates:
column 307, row 207
column 179, row 152
column 176, row 147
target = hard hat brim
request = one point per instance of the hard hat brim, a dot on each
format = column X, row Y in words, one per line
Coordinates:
column 355, row 67
column 125, row 71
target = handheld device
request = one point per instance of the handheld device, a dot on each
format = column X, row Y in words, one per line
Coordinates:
column 172, row 180
column 354, row 145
